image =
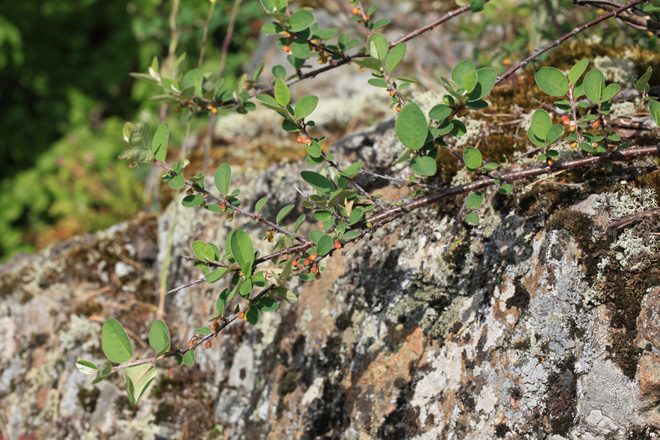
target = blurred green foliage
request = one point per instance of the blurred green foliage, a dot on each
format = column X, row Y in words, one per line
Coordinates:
column 66, row 94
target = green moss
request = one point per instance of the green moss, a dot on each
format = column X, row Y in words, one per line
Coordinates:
column 562, row 399
column 288, row 384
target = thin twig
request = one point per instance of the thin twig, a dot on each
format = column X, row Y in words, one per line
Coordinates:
column 205, row 36
column 572, row 33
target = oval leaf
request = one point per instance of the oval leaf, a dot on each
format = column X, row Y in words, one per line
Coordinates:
column 424, row 165
column 300, row 20
column 577, row 71
column 282, row 95
column 223, row 178
column 440, row 112
column 203, row 251
column 159, row 336
column 551, row 81
column 394, row 57
column 160, row 142
column 411, row 126
column 474, row 200
column 318, row 181
column 593, row 85
column 486, row 79
column 283, row 213
column 472, row 158
column 116, row 345
column 377, row 46
column 460, row 70
column 306, row 106
column 541, row 124
column 324, row 245
column 242, row 250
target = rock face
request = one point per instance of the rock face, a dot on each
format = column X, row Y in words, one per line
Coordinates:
column 531, row 328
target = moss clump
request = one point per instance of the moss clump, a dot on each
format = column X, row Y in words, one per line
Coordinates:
column 288, row 384
column 562, row 399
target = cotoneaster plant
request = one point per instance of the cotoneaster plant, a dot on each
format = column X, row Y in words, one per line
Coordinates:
column 344, row 211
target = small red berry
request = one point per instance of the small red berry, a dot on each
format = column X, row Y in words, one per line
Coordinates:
column 208, row 344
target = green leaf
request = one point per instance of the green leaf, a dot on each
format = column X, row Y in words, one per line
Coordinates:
column 217, row 274
column 314, row 150
column 324, row 245
column 440, row 112
column 138, row 379
column 159, row 336
column 116, row 345
column 368, row 62
column 593, row 85
column 377, row 46
column 505, row 189
column 322, row 215
column 424, row 165
column 551, row 81
column 300, row 48
column 222, row 178
column 351, row 235
column 194, row 79
column 555, row 132
column 285, row 294
column 577, row 71
column 160, row 142
column 486, row 79
column 189, row 358
column 104, row 371
column 260, row 205
column 299, row 222
column 271, row 28
column 377, row 82
column 300, row 20
column 470, row 81
column 474, row 200
column 279, row 71
column 654, row 108
column 352, row 170
column 394, row 57
column 356, row 216
column 490, row 166
column 192, row 200
column 203, row 251
column 460, row 70
column 535, row 140
column 541, row 124
column 253, row 315
column 138, row 154
column 177, row 182
column 284, row 212
column 472, row 158
column 472, row 217
column 411, row 126
column 242, row 250
column 86, row 367
column 477, row 5
column 266, row 304
column 610, row 91
column 306, row 106
column 318, row 181
column 282, row 95
column 204, row 331
column 640, row 85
